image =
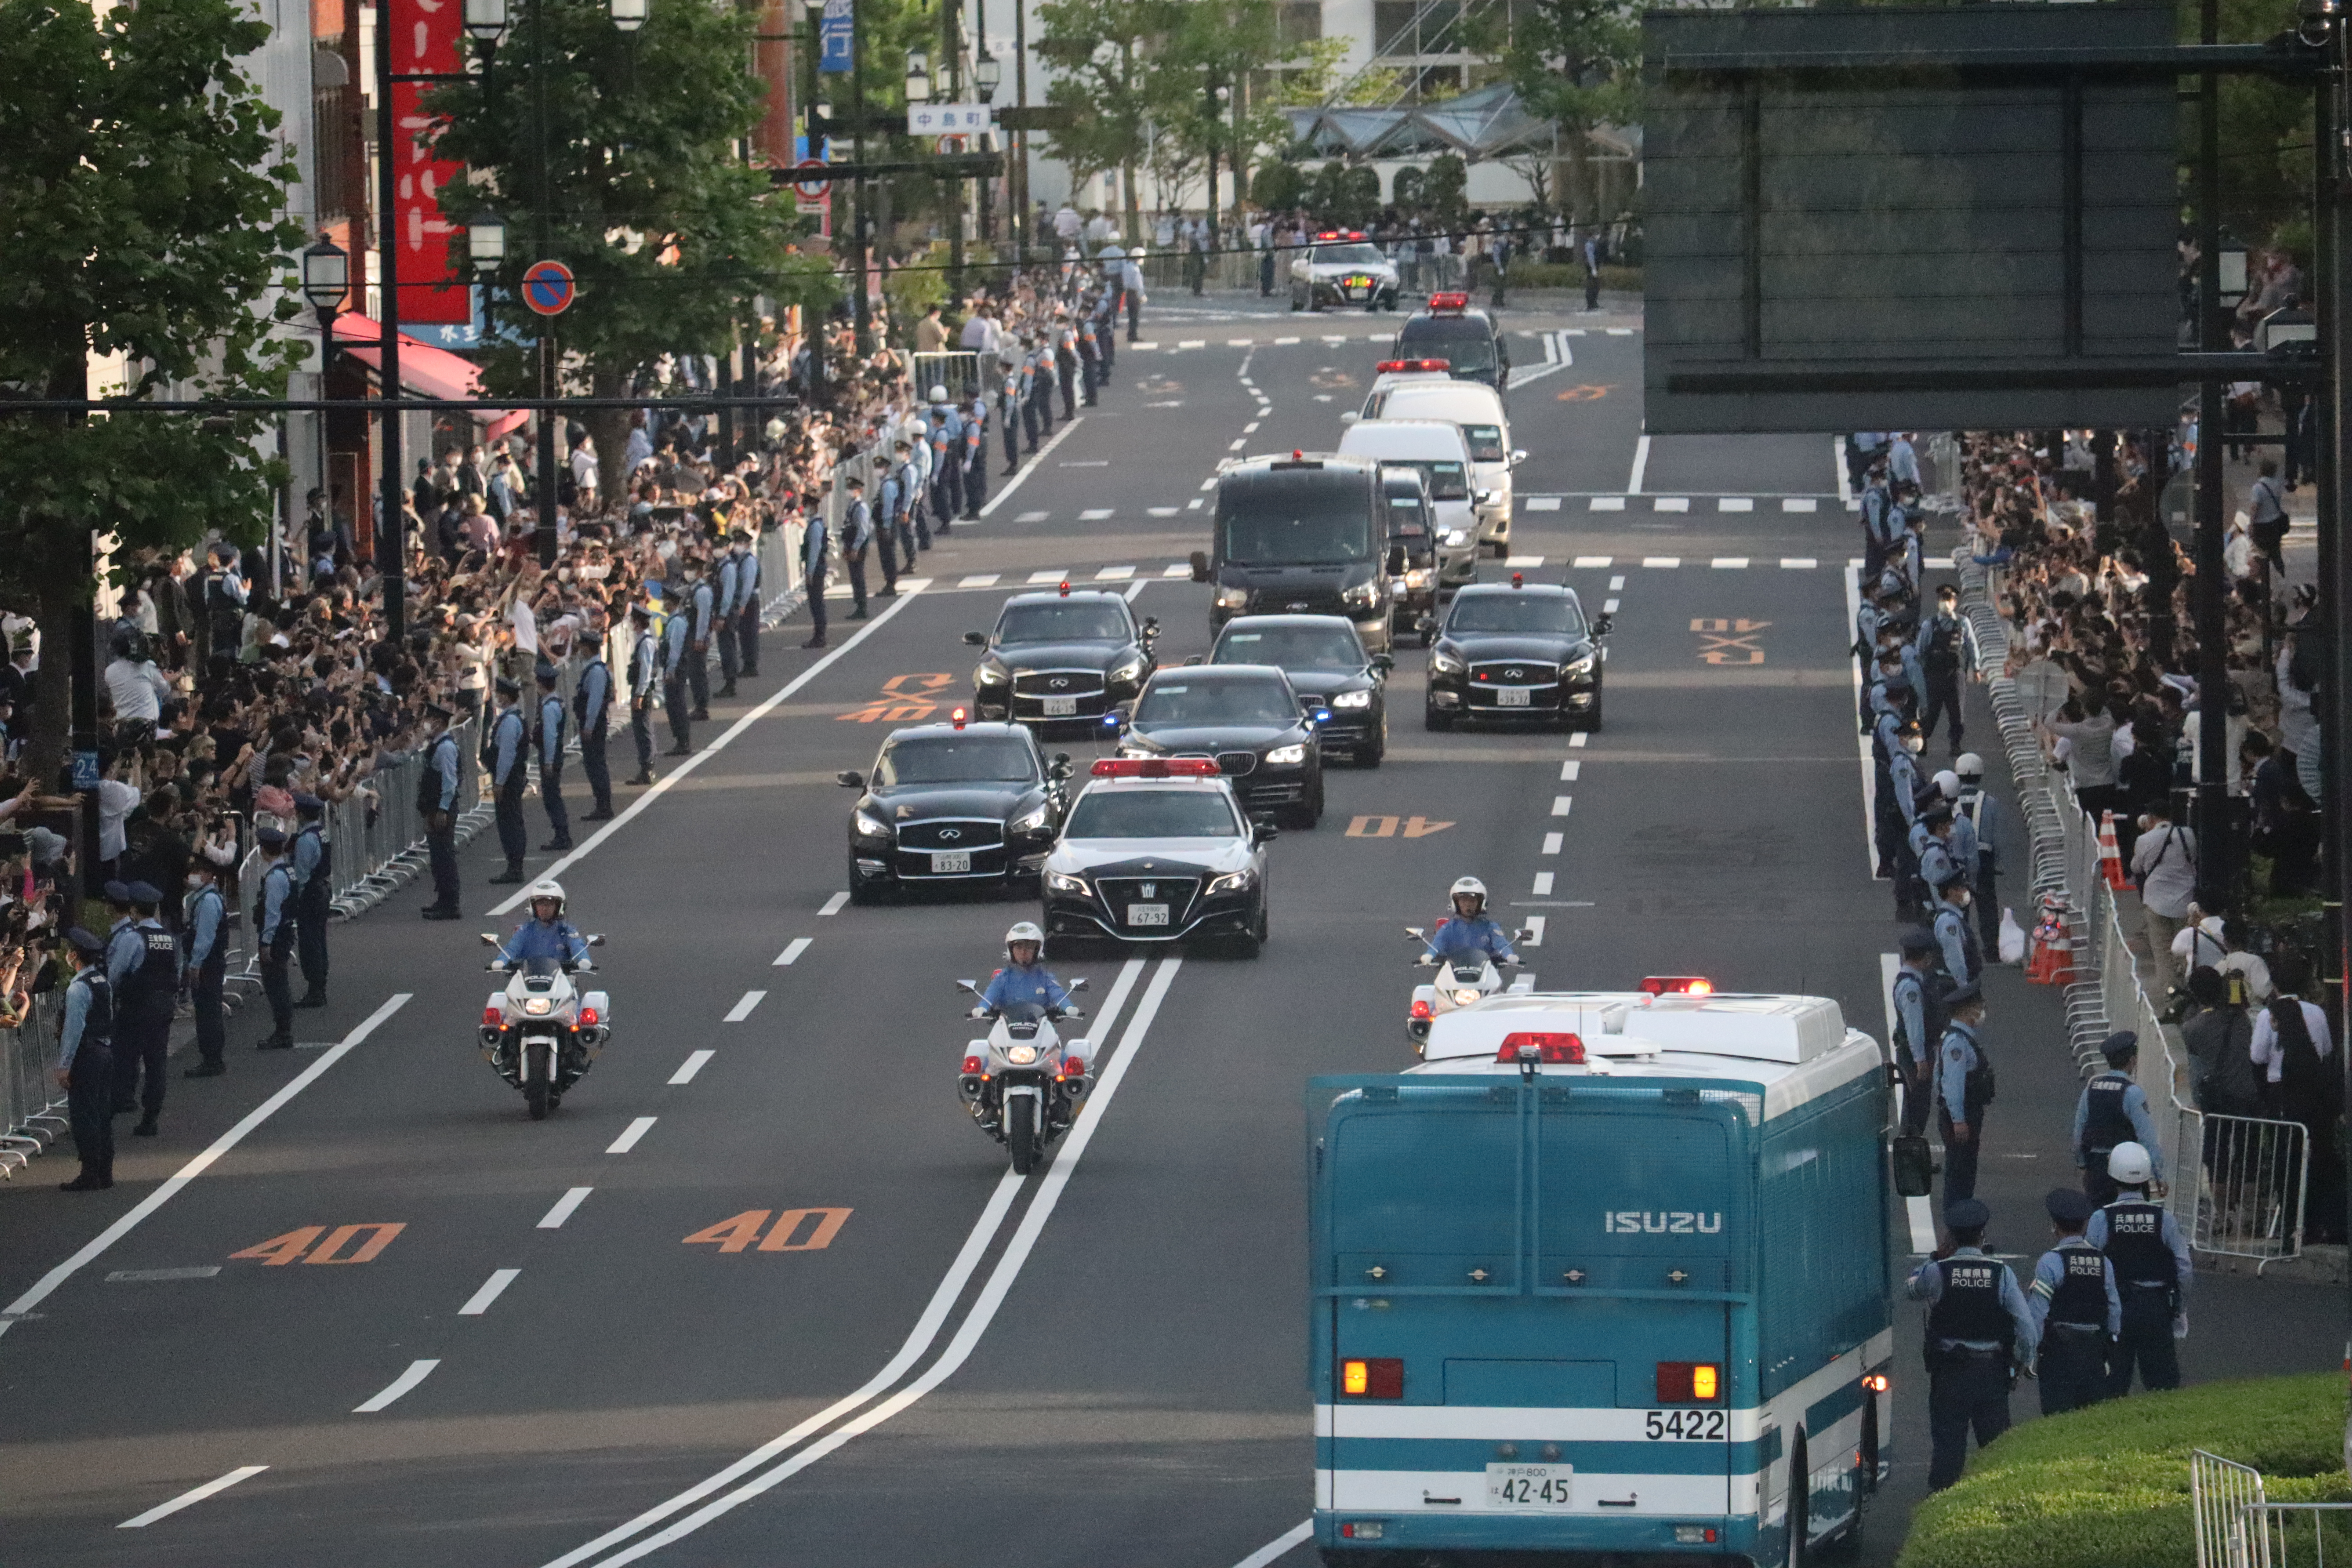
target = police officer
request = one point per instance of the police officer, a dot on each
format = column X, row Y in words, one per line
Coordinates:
column 2076, row 1311
column 1090, row 365
column 917, row 463
column 553, row 730
column 1896, row 806
column 730, row 569
column 1947, row 646
column 907, row 469
column 437, row 805
column 1981, row 812
column 273, row 923
column 2151, row 1259
column 1964, row 1088
column 1881, row 525
column 813, row 546
column 204, row 962
column 975, row 457
column 856, row 534
column 313, row 897
column 1978, row 1329
column 1008, row 417
column 506, row 751
column 143, row 969
column 885, row 529
column 1065, row 361
column 747, row 604
column 677, row 637
column 2113, row 1112
column 645, row 682
column 702, row 603
column 1918, row 1025
column 591, row 709
column 85, row 1068
column 1041, row 382
column 1956, row 944
column 1927, row 856
column 947, row 458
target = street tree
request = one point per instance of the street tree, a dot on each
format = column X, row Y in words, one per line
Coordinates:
column 145, row 187
column 1106, row 56
column 1574, row 62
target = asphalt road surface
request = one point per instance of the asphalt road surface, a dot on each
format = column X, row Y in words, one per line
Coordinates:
column 758, row 1292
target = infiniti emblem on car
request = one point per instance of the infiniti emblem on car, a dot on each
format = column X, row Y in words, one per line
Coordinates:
column 950, row 832
column 1058, row 682
column 1515, row 674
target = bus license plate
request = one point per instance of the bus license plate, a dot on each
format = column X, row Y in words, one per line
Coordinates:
column 1528, row 1486
column 1060, row 707
column 959, row 861
column 1511, row 697
column 1147, row 914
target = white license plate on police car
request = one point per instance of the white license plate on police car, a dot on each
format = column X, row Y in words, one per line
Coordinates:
column 1511, row 697
column 1060, row 707
column 1528, row 1486
column 960, row 861
column 1147, row 914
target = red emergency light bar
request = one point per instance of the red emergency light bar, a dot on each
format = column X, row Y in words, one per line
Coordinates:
column 1329, row 234
column 1406, row 366
column 1677, row 985
column 1554, row 1049
column 957, row 717
column 1065, row 589
column 1155, row 768
column 1452, row 301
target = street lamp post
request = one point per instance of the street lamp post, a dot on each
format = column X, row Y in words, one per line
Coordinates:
column 326, row 283
column 987, row 73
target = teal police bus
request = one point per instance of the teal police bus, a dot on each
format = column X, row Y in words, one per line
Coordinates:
column 1608, row 1273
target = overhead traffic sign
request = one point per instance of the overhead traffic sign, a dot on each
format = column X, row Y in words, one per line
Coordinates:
column 947, row 119
column 548, row 288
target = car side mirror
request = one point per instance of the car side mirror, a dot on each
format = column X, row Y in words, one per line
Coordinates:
column 1605, row 625
column 975, row 640
column 1383, row 662
column 1193, row 659
column 1262, row 830
column 1396, row 559
column 1150, row 626
column 1349, row 417
column 850, row 778
column 490, row 939
column 1518, row 456
column 1077, row 984
column 1200, row 561
column 1485, row 497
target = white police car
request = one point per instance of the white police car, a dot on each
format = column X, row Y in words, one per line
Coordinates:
column 1157, row 851
column 1342, row 267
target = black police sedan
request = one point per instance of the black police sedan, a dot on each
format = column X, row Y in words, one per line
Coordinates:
column 1250, row 719
column 954, row 804
column 1465, row 338
column 1061, row 657
column 1327, row 667
column 1516, row 650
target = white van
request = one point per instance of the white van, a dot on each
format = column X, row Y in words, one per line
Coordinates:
column 1437, row 449
column 1477, row 409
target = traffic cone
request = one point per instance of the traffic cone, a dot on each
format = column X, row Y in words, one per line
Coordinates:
column 2111, row 859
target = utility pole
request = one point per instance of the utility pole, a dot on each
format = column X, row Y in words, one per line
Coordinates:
column 864, row 315
column 392, row 543
column 1019, row 199
column 2215, row 887
column 542, row 199
column 951, row 60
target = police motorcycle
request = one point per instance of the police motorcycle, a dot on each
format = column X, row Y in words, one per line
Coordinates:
column 1461, row 980
column 1024, row 1082
column 542, row 1032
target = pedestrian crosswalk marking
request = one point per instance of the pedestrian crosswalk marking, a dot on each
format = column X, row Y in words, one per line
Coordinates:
column 1609, row 504
column 1114, row 573
column 1670, row 503
column 1094, row 514
column 979, row 580
column 1543, row 503
column 1595, row 562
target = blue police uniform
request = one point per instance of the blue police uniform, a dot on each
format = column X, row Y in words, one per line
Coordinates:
column 645, row 686
column 730, row 568
column 975, row 457
column 505, row 753
column 947, row 463
column 274, row 923
column 86, row 1054
column 1955, row 945
column 313, row 906
column 914, row 533
column 1024, row 982
column 2112, row 1109
column 2077, row 1314
column 886, row 531
column 1981, row 812
column 1979, row 1324
column 1963, row 1090
column 1918, row 1030
column 1457, row 936
column 675, row 650
column 553, row 727
column 747, row 611
column 436, row 803
column 1008, row 412
column 1945, row 646
column 592, row 709
column 204, row 962
column 856, row 535
column 2152, row 1273
column 536, row 938
column 702, row 601
column 1878, row 528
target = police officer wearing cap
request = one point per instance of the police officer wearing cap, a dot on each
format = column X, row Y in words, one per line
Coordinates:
column 747, row 605
column 677, row 651
column 2152, row 1267
column 591, row 708
column 273, row 925
column 1928, row 857
column 2113, row 1111
column 142, row 969
column 313, row 862
column 2076, row 1311
column 506, row 749
column 553, row 731
column 85, row 1068
column 437, row 805
column 1980, row 1326
column 947, row 458
column 204, row 962
column 1964, row 1087
column 702, row 605
column 1918, row 995
column 730, row 568
column 645, row 682
column 1946, row 648
column 1956, row 944
column 1981, row 812
column 975, row 456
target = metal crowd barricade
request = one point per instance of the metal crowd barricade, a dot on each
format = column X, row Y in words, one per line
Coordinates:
column 2256, row 1173
column 2220, row 1492
column 958, row 370
column 2267, row 1537
column 29, row 1100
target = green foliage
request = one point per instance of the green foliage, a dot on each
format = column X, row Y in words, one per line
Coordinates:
column 1278, row 187
column 1574, row 61
column 1405, row 190
column 1101, row 51
column 1445, row 189
column 913, row 290
column 2110, row 1485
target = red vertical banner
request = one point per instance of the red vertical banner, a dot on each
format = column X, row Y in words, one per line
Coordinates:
column 423, row 36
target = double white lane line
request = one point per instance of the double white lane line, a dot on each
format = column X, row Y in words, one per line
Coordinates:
column 783, row 1456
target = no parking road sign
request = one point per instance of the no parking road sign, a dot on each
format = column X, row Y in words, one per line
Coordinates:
column 812, row 190
column 547, row 287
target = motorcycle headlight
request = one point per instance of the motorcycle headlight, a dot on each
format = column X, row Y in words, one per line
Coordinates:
column 990, row 675
column 1232, row 882
column 1582, row 665
column 1021, row 1056
column 1353, row 698
column 1362, row 596
column 1296, row 752
column 868, row 825
column 1443, row 662
column 1456, row 538
column 1033, row 820
column 1232, row 598
column 1127, row 674
column 1464, row 998
column 1063, row 882
column 538, row 1006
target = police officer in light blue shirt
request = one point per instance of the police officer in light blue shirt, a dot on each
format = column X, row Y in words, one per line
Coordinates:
column 85, row 1068
column 889, row 498
column 1963, row 1090
column 2152, row 1272
column 747, row 603
column 947, row 458
column 313, row 897
column 1880, row 527
column 204, row 962
column 555, row 726
column 1467, row 930
column 702, row 603
column 506, row 751
column 730, row 568
column 1963, row 960
column 2112, row 1111
column 1916, row 995
column 591, row 708
column 645, row 685
column 1977, row 807
column 436, row 803
column 1978, row 1327
column 814, row 539
column 1025, row 980
column 2076, row 1309
column 677, row 649
column 975, row 457
column 273, row 927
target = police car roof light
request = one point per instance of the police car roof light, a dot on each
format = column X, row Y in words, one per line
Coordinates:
column 1065, row 589
column 1553, row 1049
column 1452, row 301
column 1519, row 579
column 1155, row 768
column 957, row 716
column 1355, row 234
column 1677, row 985
column 1329, row 234
column 1389, row 366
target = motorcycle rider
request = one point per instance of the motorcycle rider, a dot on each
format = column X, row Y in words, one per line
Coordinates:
column 547, row 935
column 1468, row 930
column 1025, row 977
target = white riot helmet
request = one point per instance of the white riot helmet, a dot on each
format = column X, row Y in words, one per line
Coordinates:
column 548, row 888
column 2128, row 1165
column 939, row 394
column 922, row 427
column 1947, row 784
column 1024, row 931
column 1471, row 886
column 1969, row 766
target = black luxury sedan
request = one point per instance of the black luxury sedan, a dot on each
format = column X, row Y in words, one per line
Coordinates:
column 1517, row 650
column 1251, row 720
column 1061, row 657
column 1465, row 338
column 1327, row 667
column 954, row 806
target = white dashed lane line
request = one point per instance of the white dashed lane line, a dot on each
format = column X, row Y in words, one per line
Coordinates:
column 742, row 1009
column 418, row 1370
column 193, row 1495
column 1094, row 514
column 1579, row 738
column 1569, row 771
column 1543, row 885
column 792, row 954
column 1616, row 585
column 1552, row 841
column 628, row 1138
column 695, row 1062
column 1560, row 803
column 495, row 1286
column 565, row 1207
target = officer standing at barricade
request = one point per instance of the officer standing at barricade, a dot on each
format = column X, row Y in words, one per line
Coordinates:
column 1065, row 360
column 85, row 1068
column 554, row 729
column 2113, row 1112
column 1090, row 365
column 592, row 709
column 975, row 456
column 1880, row 527
column 676, row 649
column 124, row 952
column 1982, row 813
column 702, row 603
column 918, row 484
column 143, row 970
column 747, row 604
column 813, row 546
column 273, row 925
column 1008, row 417
column 730, row 568
column 314, row 884
column 436, row 807
column 2152, row 1267
column 885, row 529
column 1964, row 1089
column 1041, row 381
column 1918, row 1025
column 204, row 962
column 506, row 751
column 908, row 470
column 947, row 458
column 645, row 682
column 1024, row 390
column 1956, row 944
column 856, row 533
column 1947, row 646
column 1979, row 1328
column 2076, row 1309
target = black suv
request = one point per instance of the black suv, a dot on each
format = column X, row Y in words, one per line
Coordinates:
column 1516, row 650
column 954, row 804
column 1463, row 337
column 1251, row 720
column 1303, row 535
column 1327, row 667
column 1061, row 657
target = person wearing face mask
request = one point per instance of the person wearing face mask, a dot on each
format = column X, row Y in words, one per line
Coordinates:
column 204, row 961
column 1956, row 942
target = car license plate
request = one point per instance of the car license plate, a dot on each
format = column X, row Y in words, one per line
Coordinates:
column 1528, row 1486
column 1060, row 707
column 1511, row 697
column 1147, row 914
column 961, row 860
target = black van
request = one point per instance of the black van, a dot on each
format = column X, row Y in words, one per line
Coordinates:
column 1304, row 536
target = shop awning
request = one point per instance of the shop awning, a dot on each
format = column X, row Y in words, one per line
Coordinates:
column 425, row 370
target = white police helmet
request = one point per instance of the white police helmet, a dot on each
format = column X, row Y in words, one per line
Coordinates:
column 1947, row 784
column 1023, row 931
column 1969, row 765
column 922, row 426
column 938, row 394
column 1471, row 886
column 548, row 887
column 2128, row 1165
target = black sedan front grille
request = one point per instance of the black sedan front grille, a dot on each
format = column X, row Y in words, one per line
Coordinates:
column 1058, row 683
column 961, row 832
column 1121, row 893
column 1297, row 602
column 1236, row 764
column 1514, row 672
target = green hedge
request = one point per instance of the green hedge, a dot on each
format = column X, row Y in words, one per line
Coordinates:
column 1571, row 275
column 2109, row 1485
